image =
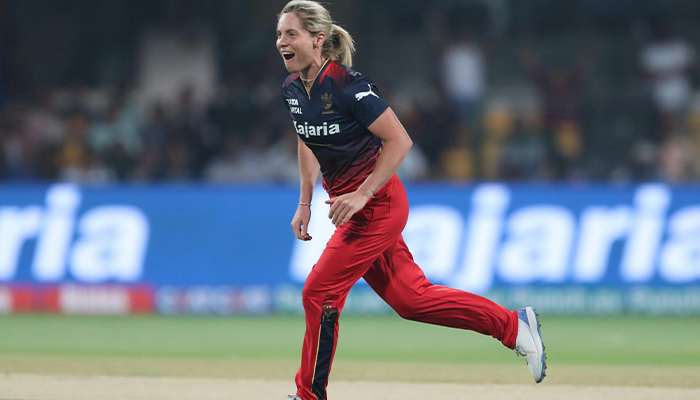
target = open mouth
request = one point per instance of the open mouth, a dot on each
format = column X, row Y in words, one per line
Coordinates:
column 287, row 55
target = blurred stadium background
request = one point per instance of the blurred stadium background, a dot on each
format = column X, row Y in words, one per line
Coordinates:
column 147, row 166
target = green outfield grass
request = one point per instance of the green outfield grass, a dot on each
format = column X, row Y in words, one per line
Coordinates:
column 580, row 340
column 628, row 351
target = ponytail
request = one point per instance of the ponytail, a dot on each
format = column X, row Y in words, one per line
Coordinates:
column 341, row 46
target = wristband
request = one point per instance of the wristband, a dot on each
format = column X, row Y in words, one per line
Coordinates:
column 370, row 190
column 305, row 204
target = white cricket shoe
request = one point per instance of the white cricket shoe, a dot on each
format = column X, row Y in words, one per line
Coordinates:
column 293, row 397
column 529, row 343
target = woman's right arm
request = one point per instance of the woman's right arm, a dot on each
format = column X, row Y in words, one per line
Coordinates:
column 308, row 168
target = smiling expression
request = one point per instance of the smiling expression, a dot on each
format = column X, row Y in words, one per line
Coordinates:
column 297, row 45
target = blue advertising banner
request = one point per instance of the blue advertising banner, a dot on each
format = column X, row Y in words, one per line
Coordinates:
column 574, row 248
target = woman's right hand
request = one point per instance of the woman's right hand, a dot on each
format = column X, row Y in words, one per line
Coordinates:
column 300, row 223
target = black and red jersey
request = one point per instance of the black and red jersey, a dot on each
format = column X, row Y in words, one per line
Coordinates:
column 332, row 120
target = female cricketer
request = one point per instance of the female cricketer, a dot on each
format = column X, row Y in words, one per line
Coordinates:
column 347, row 130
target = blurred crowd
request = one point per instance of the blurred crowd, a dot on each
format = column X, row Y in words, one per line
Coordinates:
column 555, row 136
column 461, row 130
column 101, row 136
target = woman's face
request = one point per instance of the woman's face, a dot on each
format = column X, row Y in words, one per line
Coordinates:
column 295, row 43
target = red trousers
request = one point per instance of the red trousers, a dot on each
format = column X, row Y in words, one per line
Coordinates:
column 370, row 246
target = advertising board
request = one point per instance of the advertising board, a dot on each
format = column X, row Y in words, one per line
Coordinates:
column 230, row 250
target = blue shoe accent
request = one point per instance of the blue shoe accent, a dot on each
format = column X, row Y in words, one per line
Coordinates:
column 544, row 354
column 522, row 314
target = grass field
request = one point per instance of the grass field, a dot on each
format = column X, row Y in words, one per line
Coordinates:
column 613, row 351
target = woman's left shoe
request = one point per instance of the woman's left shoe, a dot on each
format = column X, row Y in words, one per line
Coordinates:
column 529, row 343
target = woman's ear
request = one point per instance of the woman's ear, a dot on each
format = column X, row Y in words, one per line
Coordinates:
column 320, row 39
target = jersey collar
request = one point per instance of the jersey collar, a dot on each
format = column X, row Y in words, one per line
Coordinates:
column 318, row 75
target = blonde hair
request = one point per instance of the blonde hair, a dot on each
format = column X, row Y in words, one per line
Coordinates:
column 339, row 45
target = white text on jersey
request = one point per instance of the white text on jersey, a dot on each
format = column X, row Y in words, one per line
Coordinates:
column 323, row 130
column 293, row 102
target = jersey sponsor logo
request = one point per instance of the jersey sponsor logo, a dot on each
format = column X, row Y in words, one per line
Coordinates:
column 327, row 103
column 294, row 106
column 362, row 95
column 307, row 130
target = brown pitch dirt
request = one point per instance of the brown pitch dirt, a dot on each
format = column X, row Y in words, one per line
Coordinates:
column 59, row 377
column 71, row 387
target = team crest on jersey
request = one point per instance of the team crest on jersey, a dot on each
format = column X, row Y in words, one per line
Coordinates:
column 327, row 100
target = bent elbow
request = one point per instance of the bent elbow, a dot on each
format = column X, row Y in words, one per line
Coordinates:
column 402, row 145
column 407, row 144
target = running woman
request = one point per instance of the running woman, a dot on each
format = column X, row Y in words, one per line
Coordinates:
column 347, row 130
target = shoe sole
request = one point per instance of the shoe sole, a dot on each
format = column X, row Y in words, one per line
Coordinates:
column 537, row 335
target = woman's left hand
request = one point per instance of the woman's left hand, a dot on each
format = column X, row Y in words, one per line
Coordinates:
column 345, row 206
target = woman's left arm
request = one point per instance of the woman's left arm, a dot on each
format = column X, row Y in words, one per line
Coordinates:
column 397, row 144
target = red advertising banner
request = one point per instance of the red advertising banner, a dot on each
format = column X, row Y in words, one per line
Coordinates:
column 75, row 299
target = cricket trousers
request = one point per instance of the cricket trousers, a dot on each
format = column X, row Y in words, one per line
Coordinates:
column 370, row 246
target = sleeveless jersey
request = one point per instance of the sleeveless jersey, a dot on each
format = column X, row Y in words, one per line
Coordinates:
column 332, row 120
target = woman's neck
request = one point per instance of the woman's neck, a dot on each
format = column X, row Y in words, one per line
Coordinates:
column 309, row 73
